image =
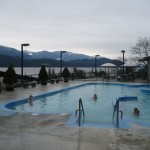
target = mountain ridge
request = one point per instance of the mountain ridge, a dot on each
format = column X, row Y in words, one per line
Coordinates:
column 10, row 55
column 67, row 56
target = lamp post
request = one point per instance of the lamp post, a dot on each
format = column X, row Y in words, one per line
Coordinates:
column 96, row 65
column 123, row 51
column 61, row 52
column 22, row 45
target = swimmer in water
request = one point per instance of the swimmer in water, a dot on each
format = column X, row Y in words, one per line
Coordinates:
column 136, row 112
column 95, row 97
column 30, row 100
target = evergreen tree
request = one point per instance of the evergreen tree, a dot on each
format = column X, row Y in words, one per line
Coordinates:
column 43, row 76
column 66, row 74
column 10, row 75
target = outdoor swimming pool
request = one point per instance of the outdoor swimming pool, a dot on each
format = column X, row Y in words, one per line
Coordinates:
column 97, row 113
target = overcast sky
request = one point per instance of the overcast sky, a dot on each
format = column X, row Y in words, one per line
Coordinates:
column 91, row 27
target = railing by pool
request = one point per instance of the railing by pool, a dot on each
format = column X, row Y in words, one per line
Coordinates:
column 81, row 111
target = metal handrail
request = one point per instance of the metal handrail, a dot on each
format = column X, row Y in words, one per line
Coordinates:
column 80, row 110
column 116, row 108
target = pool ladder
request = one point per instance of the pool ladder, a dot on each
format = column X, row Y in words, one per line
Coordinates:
column 116, row 108
column 80, row 111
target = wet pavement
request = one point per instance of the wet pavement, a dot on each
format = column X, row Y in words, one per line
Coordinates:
column 48, row 132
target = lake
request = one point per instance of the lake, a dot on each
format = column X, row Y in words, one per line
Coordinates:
column 35, row 70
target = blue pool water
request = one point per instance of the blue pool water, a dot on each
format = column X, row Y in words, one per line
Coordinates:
column 97, row 113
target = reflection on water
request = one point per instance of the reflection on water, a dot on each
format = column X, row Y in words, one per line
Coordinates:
column 43, row 102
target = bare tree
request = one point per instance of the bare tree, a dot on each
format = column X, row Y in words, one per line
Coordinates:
column 134, row 59
column 141, row 49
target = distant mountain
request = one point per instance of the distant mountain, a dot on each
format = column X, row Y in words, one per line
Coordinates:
column 88, row 62
column 42, row 54
column 56, row 55
column 16, row 61
column 9, row 51
column 36, row 59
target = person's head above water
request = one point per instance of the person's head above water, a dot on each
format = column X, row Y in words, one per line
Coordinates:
column 95, row 96
column 136, row 111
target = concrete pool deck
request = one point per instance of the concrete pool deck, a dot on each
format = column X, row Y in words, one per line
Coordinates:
column 48, row 132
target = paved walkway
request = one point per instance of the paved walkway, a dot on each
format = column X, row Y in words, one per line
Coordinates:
column 48, row 132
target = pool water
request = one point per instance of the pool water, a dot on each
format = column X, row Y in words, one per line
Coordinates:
column 99, row 112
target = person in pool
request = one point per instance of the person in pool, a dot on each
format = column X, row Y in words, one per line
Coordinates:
column 136, row 112
column 30, row 100
column 95, row 97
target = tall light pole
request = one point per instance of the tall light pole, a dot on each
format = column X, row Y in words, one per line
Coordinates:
column 123, row 51
column 22, row 45
column 96, row 65
column 61, row 52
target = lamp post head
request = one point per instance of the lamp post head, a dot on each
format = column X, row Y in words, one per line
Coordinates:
column 97, row 55
column 123, row 51
column 63, row 51
column 25, row 44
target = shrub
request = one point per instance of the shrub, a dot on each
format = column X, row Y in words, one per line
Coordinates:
column 43, row 76
column 65, row 74
column 10, row 75
column 10, row 78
